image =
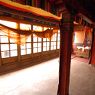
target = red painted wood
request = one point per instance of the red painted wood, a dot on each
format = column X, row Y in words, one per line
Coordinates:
column 92, row 61
column 66, row 31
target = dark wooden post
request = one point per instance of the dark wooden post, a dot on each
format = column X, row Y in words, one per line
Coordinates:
column 92, row 53
column 66, row 30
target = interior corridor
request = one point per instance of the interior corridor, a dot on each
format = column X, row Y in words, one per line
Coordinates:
column 42, row 79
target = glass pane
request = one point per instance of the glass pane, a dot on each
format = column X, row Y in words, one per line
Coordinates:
column 28, row 39
column 4, row 39
column 47, row 43
column 44, row 49
column 47, row 48
column 39, row 44
column 34, row 36
column 12, row 40
column 5, row 54
column 52, row 43
column 39, row 49
column 45, row 28
column 13, row 46
column 9, row 23
column 39, row 39
column 28, row 51
column 23, row 52
column 58, row 45
column 58, row 38
column 4, row 47
column 13, row 53
column 44, row 39
column 34, row 39
column 34, row 50
column 58, row 31
column 23, row 46
column 53, row 39
column 52, row 48
column 28, row 45
column 44, row 43
column 34, row 44
column 37, row 28
column 48, row 39
column 25, row 26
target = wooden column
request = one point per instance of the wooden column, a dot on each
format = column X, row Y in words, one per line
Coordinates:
column 66, row 30
column 32, row 40
column 18, row 45
column 92, row 59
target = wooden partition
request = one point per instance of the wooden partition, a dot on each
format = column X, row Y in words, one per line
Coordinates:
column 34, row 50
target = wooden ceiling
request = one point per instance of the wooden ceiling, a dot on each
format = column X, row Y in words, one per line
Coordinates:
column 85, row 7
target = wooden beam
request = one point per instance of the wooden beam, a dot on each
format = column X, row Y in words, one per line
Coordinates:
column 66, row 31
column 28, row 17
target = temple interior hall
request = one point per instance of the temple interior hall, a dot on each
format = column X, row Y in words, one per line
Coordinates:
column 47, row 47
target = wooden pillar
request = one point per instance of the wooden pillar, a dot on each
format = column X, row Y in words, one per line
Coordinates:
column 66, row 30
column 92, row 54
column 18, row 45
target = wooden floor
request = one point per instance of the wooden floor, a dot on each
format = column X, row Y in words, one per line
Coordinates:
column 42, row 79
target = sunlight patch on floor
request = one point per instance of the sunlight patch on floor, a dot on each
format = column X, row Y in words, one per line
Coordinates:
column 35, row 80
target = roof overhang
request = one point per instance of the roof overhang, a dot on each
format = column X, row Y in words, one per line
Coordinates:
column 19, row 12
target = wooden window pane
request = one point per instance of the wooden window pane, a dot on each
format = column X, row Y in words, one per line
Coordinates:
column 39, row 45
column 28, row 51
column 4, row 47
column 23, row 46
column 28, row 39
column 34, row 45
column 34, row 50
column 37, row 28
column 39, row 49
column 47, row 44
column 44, row 39
column 23, row 52
column 4, row 39
column 47, row 48
column 9, row 23
column 28, row 45
column 34, row 39
column 39, row 39
column 5, row 54
column 52, row 47
column 44, row 44
column 25, row 26
column 13, row 46
column 44, row 48
column 13, row 53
